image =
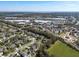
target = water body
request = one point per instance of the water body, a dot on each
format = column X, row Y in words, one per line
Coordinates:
column 75, row 14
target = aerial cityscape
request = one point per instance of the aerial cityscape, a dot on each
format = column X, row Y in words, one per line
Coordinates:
column 39, row 33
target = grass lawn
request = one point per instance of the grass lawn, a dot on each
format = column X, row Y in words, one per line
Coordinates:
column 62, row 50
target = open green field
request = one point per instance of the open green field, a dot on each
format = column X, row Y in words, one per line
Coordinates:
column 62, row 50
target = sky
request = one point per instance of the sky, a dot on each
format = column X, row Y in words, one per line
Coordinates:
column 39, row 6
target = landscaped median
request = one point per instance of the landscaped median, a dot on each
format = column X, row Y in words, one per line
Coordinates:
column 60, row 49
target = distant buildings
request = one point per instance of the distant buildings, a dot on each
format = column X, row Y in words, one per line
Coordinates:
column 59, row 20
column 37, row 20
